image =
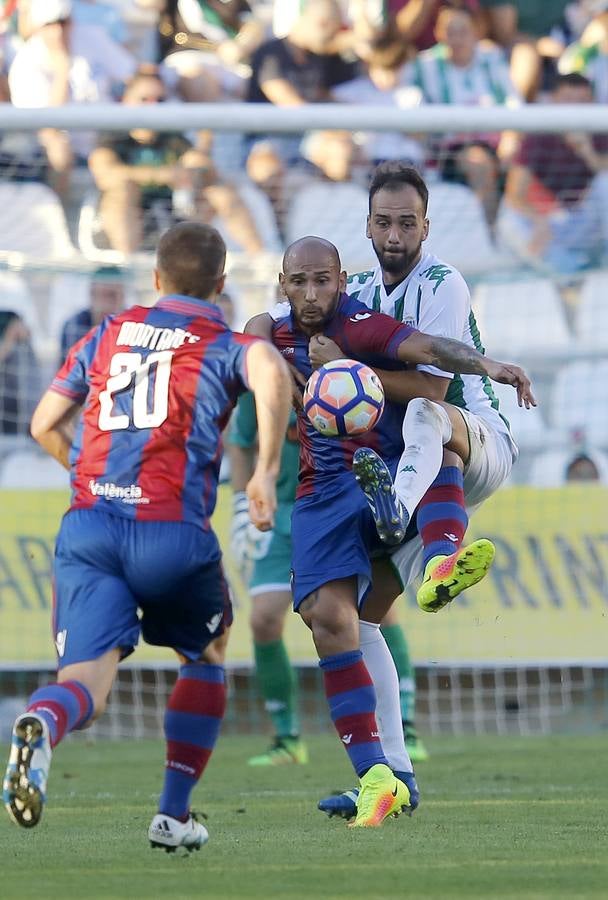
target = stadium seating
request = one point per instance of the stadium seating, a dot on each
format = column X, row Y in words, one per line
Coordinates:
column 15, row 296
column 527, row 425
column 549, row 468
column 578, row 401
column 262, row 213
column 459, row 232
column 591, row 323
column 90, row 231
column 336, row 212
column 521, row 316
column 32, row 222
column 68, row 294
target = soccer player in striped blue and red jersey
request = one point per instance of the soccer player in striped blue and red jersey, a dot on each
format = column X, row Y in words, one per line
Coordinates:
column 135, row 552
column 333, row 531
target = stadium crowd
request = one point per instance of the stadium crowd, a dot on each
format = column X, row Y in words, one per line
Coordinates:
column 540, row 199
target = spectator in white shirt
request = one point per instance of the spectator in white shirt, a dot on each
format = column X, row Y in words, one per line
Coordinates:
column 385, row 84
column 65, row 62
column 460, row 70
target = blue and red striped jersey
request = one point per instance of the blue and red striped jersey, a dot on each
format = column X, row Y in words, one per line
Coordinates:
column 157, row 387
column 371, row 338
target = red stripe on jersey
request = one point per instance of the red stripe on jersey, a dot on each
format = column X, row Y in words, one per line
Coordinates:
column 65, row 392
column 96, row 444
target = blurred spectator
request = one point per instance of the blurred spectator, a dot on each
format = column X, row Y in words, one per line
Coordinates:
column 204, row 43
column 523, row 28
column 371, row 20
column 279, row 182
column 102, row 15
column 416, row 20
column 18, row 375
column 149, row 179
column 9, row 41
column 385, row 84
column 582, row 468
column 228, row 28
column 461, row 70
column 65, row 62
column 556, row 200
column 574, row 464
column 589, row 56
column 336, row 157
column 334, row 202
column 106, row 298
column 297, row 69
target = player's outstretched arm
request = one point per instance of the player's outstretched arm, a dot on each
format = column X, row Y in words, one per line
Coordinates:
column 454, row 356
column 399, row 385
column 50, row 425
column 269, row 380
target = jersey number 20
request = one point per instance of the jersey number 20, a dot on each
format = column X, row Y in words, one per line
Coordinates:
column 128, row 370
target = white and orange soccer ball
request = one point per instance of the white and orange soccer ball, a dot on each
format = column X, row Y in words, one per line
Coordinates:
column 343, row 398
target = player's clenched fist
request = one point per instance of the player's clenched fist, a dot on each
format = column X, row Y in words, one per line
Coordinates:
column 261, row 491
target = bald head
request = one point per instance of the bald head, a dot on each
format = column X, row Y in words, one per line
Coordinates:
column 317, row 25
column 312, row 282
column 309, row 251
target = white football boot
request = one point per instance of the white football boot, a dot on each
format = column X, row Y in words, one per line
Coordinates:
column 170, row 833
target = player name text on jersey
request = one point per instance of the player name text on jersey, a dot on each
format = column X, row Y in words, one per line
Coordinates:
column 139, row 334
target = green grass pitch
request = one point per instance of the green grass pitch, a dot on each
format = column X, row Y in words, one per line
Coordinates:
column 500, row 818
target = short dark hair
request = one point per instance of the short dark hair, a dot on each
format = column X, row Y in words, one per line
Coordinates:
column 393, row 175
column 143, row 73
column 190, row 259
column 388, row 50
column 572, row 79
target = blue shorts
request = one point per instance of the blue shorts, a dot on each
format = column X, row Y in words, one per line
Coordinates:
column 116, row 578
column 333, row 536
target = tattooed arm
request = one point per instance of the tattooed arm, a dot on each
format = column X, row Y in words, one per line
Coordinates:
column 453, row 356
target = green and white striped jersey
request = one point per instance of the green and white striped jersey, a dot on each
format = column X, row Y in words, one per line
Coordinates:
column 434, row 298
column 484, row 82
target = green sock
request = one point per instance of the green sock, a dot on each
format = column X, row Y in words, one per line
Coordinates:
column 397, row 644
column 278, row 686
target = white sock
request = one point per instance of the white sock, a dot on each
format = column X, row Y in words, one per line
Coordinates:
column 426, row 428
column 377, row 657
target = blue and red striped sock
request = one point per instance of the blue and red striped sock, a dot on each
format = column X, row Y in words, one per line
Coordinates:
column 64, row 707
column 192, row 723
column 352, row 704
column 442, row 517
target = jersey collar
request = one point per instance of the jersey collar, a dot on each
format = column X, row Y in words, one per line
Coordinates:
column 191, row 306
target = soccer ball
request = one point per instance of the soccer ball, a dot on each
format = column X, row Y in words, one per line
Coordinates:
column 343, row 398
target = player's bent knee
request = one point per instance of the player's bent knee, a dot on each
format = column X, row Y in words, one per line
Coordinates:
column 214, row 653
column 334, row 626
column 266, row 626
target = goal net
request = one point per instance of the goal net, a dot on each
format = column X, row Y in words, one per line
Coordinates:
column 526, row 650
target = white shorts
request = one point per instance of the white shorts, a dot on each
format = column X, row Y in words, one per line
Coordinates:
column 491, row 457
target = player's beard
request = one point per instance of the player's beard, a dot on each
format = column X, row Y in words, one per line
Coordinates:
column 319, row 327
column 396, row 263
